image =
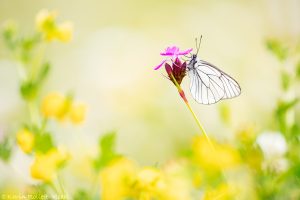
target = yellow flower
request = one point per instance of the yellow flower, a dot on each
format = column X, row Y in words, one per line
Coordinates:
column 222, row 192
column 57, row 106
column 47, row 25
column 178, row 184
column 54, row 105
column 45, row 165
column 45, row 21
column 77, row 113
column 150, row 183
column 25, row 140
column 247, row 134
column 65, row 32
column 117, row 179
column 222, row 157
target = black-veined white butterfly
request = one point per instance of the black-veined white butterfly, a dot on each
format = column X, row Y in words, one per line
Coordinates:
column 208, row 83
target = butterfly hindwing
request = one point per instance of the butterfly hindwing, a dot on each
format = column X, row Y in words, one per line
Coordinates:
column 209, row 84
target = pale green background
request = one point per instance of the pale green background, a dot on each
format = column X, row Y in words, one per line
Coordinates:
column 109, row 64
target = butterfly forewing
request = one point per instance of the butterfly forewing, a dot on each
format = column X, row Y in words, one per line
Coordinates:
column 209, row 84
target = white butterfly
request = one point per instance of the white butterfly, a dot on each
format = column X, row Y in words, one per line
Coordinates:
column 210, row 84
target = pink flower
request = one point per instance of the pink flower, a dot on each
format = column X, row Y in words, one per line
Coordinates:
column 177, row 70
column 172, row 52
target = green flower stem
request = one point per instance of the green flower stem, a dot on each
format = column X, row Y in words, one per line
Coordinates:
column 51, row 184
column 181, row 93
column 61, row 186
column 33, row 112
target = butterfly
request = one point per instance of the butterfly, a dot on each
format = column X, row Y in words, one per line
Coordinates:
column 208, row 83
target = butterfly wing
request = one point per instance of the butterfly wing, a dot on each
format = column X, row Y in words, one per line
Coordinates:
column 209, row 84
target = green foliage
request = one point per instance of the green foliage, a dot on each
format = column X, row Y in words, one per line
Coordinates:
column 225, row 113
column 298, row 70
column 281, row 111
column 5, row 149
column 285, row 80
column 43, row 142
column 276, row 47
column 81, row 194
column 10, row 35
column 107, row 150
column 43, row 73
column 29, row 88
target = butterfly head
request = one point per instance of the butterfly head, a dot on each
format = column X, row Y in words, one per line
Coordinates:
column 192, row 62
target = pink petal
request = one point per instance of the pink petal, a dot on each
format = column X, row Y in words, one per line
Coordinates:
column 185, row 52
column 167, row 54
column 173, row 49
column 159, row 66
column 170, row 51
column 168, row 69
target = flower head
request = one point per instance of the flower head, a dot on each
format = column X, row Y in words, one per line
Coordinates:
column 117, row 178
column 150, row 182
column 77, row 113
column 274, row 148
column 51, row 30
column 172, row 52
column 223, row 157
column 25, row 140
column 178, row 70
column 273, row 144
column 45, row 165
column 54, row 105
column 60, row 107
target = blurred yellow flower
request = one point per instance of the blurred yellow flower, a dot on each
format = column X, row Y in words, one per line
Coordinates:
column 222, row 192
column 117, row 179
column 47, row 25
column 247, row 134
column 222, row 157
column 54, row 105
column 25, row 140
column 77, row 113
column 64, row 32
column 178, row 183
column 150, row 183
column 57, row 106
column 45, row 165
column 225, row 113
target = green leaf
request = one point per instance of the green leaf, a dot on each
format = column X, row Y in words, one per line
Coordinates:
column 81, row 194
column 107, row 142
column 298, row 70
column 43, row 73
column 281, row 111
column 225, row 113
column 285, row 80
column 107, row 150
column 277, row 49
column 43, row 142
column 283, row 107
column 5, row 149
column 26, row 46
column 28, row 90
column 10, row 35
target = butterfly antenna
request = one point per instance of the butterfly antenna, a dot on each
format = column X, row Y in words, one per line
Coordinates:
column 198, row 45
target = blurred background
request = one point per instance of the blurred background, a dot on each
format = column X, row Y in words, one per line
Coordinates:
column 109, row 66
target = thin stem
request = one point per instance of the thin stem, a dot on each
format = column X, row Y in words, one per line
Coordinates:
column 94, row 185
column 54, row 188
column 61, row 186
column 199, row 124
column 181, row 92
column 32, row 111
